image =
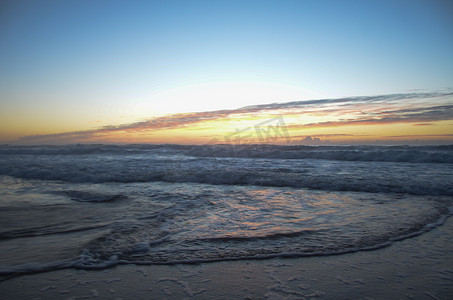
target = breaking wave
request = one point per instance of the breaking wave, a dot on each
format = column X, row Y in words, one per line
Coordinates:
column 415, row 154
column 403, row 169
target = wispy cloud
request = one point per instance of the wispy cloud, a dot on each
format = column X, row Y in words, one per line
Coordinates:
column 382, row 109
column 421, row 135
column 426, row 114
column 328, row 135
column 159, row 123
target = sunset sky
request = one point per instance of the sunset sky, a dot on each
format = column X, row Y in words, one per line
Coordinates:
column 197, row 72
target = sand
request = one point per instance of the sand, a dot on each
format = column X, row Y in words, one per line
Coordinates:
column 416, row 268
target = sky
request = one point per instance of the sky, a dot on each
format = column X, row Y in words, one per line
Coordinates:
column 206, row 71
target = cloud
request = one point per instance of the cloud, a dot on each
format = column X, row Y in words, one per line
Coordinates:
column 346, row 101
column 309, row 139
column 381, row 109
column 421, row 135
column 425, row 114
column 159, row 123
column 327, row 135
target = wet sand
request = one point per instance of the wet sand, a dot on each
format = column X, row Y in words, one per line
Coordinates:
column 416, row 268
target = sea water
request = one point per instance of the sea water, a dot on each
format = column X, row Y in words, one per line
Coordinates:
column 95, row 206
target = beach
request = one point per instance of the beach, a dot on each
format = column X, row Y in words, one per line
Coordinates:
column 222, row 222
column 420, row 267
column 226, row 150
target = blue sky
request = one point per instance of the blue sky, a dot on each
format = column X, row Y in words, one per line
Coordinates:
column 113, row 62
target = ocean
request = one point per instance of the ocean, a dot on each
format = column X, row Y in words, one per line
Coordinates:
column 97, row 206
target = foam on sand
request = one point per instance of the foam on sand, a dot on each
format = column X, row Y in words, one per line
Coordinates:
column 416, row 268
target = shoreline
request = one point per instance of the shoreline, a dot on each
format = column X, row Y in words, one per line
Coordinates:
column 420, row 267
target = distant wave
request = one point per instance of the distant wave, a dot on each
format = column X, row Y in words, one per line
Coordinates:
column 86, row 149
column 424, row 170
column 420, row 154
column 416, row 154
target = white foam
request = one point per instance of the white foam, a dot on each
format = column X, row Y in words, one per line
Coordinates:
column 355, row 168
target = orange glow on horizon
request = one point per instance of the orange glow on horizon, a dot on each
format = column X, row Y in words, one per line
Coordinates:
column 329, row 121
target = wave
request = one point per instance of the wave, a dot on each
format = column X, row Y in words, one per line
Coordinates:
column 188, row 223
column 327, row 182
column 415, row 154
column 400, row 169
column 82, row 196
column 272, row 236
column 87, row 149
column 98, row 258
column 49, row 230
